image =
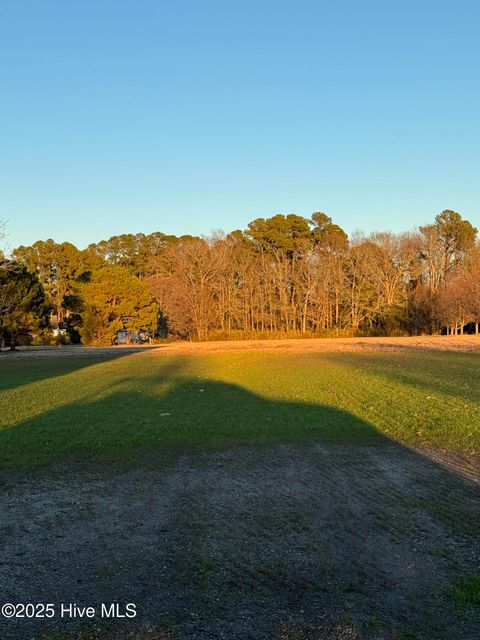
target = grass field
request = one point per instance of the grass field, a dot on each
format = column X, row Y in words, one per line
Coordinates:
column 244, row 495
column 54, row 408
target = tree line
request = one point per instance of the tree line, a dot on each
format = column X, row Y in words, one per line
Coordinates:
column 286, row 275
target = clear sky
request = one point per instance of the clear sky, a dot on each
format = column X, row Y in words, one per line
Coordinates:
column 184, row 116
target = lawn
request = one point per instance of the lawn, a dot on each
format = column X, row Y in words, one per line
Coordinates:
column 116, row 409
column 294, row 488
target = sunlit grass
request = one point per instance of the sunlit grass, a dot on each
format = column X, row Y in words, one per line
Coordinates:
column 58, row 408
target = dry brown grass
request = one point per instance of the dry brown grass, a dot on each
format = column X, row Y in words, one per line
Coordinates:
column 467, row 343
column 325, row 345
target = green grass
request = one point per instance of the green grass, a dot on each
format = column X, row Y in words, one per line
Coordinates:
column 466, row 591
column 57, row 408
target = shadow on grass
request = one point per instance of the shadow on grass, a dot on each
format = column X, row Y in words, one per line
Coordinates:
column 14, row 373
column 158, row 403
column 453, row 374
column 193, row 412
column 295, row 535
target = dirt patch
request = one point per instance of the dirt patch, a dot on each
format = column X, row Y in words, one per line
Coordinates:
column 285, row 542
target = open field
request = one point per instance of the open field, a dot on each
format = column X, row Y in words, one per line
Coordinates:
column 331, row 493
column 115, row 404
column 291, row 345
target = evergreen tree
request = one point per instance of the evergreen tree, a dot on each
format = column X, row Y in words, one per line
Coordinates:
column 113, row 299
column 24, row 310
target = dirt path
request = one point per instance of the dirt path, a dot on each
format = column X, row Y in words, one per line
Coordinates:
column 283, row 543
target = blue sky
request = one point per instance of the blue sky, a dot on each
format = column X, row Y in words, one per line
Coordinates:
column 187, row 116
